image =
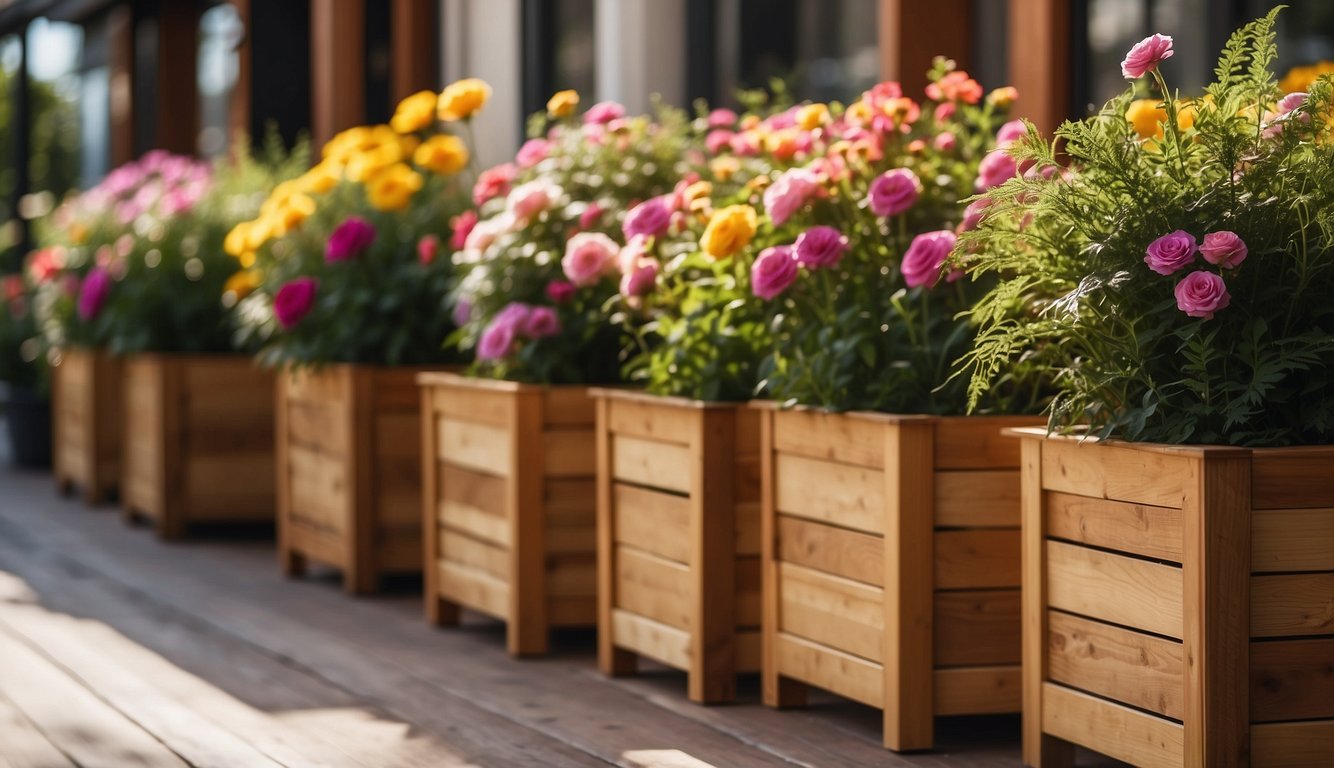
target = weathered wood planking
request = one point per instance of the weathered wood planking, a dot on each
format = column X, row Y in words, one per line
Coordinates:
column 348, row 471
column 508, row 505
column 1202, row 598
column 87, row 422
column 892, row 564
column 678, row 523
column 199, row 442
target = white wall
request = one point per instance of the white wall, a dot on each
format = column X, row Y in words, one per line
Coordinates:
column 484, row 38
column 641, row 50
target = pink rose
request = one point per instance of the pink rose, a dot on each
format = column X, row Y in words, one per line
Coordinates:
column 604, row 112
column 944, row 111
column 1223, row 248
column 722, row 118
column 788, row 193
column 945, row 142
column 1146, row 56
column 820, row 247
column 485, row 232
column 640, row 278
column 1010, row 133
column 894, row 192
column 462, row 226
column 745, row 144
column 924, row 258
column 651, row 218
column 995, row 169
column 718, row 140
column 528, row 201
column 540, row 323
column 1170, row 252
column 972, row 215
column 294, row 300
column 588, row 256
column 1201, row 294
column 493, row 182
column 773, row 271
column 349, row 240
column 462, row 312
column 560, row 291
column 532, row 152
column 427, row 249
column 591, row 215
column 497, row 341
column 93, row 293
column 634, row 249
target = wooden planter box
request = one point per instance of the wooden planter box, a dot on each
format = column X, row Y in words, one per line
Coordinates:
column 891, row 564
column 1178, row 603
column 198, row 441
column 86, row 444
column 678, row 538
column 349, row 472
column 509, row 505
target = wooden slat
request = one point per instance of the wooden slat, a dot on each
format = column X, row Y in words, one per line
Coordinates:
column 748, row 527
column 572, row 576
column 1116, row 472
column 568, row 453
column 1287, row 478
column 843, row 673
column 747, row 611
column 570, row 502
column 1292, row 604
column 581, row 611
column 473, row 588
column 828, row 548
column 976, row 442
column 473, row 502
column 318, row 488
column 841, row 494
column 1114, row 730
column 567, row 407
column 748, row 654
column 977, row 499
column 660, row 423
column 653, row 521
column 654, row 587
column 474, row 553
column 571, row 540
column 1120, row 664
column 1136, row 528
column 1122, row 590
column 1037, row 747
column 656, row 465
column 977, row 559
column 316, row 425
column 1292, row 680
column 830, row 437
column 832, row 611
column 1292, row 540
column 976, row 628
column 474, row 446
column 669, row 645
column 463, row 403
column 1292, row 744
column 977, row 690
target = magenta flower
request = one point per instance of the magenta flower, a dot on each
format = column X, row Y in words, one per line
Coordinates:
column 640, row 278
column 972, row 215
column 428, row 247
column 1224, row 249
column 591, row 215
column 560, row 291
column 1201, row 294
column 1146, row 55
column 349, row 240
column 718, row 140
column 773, row 271
column 540, row 323
column 497, row 341
column 603, row 112
column 650, row 218
column 493, row 182
column 788, row 193
column 462, row 226
column 924, row 258
column 1171, row 252
column 532, row 152
column 995, row 169
column 588, row 256
column 93, row 293
column 1011, row 132
column 820, row 247
column 722, row 118
column 294, row 300
column 894, row 192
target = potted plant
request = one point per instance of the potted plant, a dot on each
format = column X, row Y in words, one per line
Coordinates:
column 889, row 519
column 350, row 297
column 509, row 511
column 1177, row 524
column 25, row 398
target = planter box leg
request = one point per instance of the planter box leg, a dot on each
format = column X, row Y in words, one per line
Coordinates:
column 441, row 612
column 292, row 563
column 358, row 580
column 616, row 662
column 783, row 692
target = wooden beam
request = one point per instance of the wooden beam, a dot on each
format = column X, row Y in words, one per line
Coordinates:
column 416, row 64
column 1040, row 60
column 337, row 66
column 239, row 110
column 177, row 107
column 120, row 60
column 913, row 33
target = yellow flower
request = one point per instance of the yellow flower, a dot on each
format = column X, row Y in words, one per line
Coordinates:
column 1186, row 113
column 365, row 164
column 320, row 179
column 241, row 284
column 860, row 113
column 1146, row 117
column 729, row 231
column 1299, row 79
column 562, row 103
column 443, row 154
column 725, row 167
column 461, row 99
column 812, row 116
column 235, row 243
column 246, row 259
column 259, row 233
column 78, row 233
column 415, row 112
column 392, row 188
column 347, row 142
column 289, row 215
column 1003, row 97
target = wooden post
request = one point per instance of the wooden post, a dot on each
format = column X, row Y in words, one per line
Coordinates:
column 909, row 712
column 526, row 632
column 611, row 660
column 713, row 557
column 290, row 561
column 1216, row 520
column 120, row 60
column 337, row 66
column 1040, row 60
column 238, row 111
column 360, row 574
column 413, row 42
column 913, row 33
column 177, row 107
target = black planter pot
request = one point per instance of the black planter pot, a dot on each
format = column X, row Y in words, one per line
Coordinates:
column 28, row 416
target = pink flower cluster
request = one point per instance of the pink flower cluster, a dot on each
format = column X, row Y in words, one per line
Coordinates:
column 1202, row 292
column 777, row 268
column 159, row 183
column 515, row 322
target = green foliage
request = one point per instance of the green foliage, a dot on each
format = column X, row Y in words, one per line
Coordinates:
column 1076, row 299
column 22, row 364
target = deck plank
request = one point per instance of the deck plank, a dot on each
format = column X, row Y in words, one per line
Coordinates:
column 24, row 745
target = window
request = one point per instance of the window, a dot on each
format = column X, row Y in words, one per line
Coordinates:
column 220, row 31
column 559, row 50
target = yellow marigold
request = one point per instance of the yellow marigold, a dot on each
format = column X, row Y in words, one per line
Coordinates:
column 246, row 259
column 723, row 168
column 782, row 144
column 729, row 231
column 1003, row 97
column 812, row 116
column 294, row 210
column 415, row 112
column 1187, row 110
column 365, row 164
column 259, row 233
column 347, row 142
column 321, row 178
column 563, row 103
column 461, row 99
column 241, row 284
column 443, row 154
column 1299, row 79
column 235, row 243
column 392, row 188
column 1146, row 117
column 860, row 113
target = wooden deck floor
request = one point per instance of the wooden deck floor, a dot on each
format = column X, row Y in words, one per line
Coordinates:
column 117, row 650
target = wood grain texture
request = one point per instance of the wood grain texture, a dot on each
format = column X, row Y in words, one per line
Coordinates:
column 1140, row 529
column 1112, row 729
column 1291, row 680
column 1120, row 664
column 1117, row 472
column 1285, row 540
column 1292, row 604
column 87, row 423
column 976, row 628
column 977, row 690
column 1114, row 588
